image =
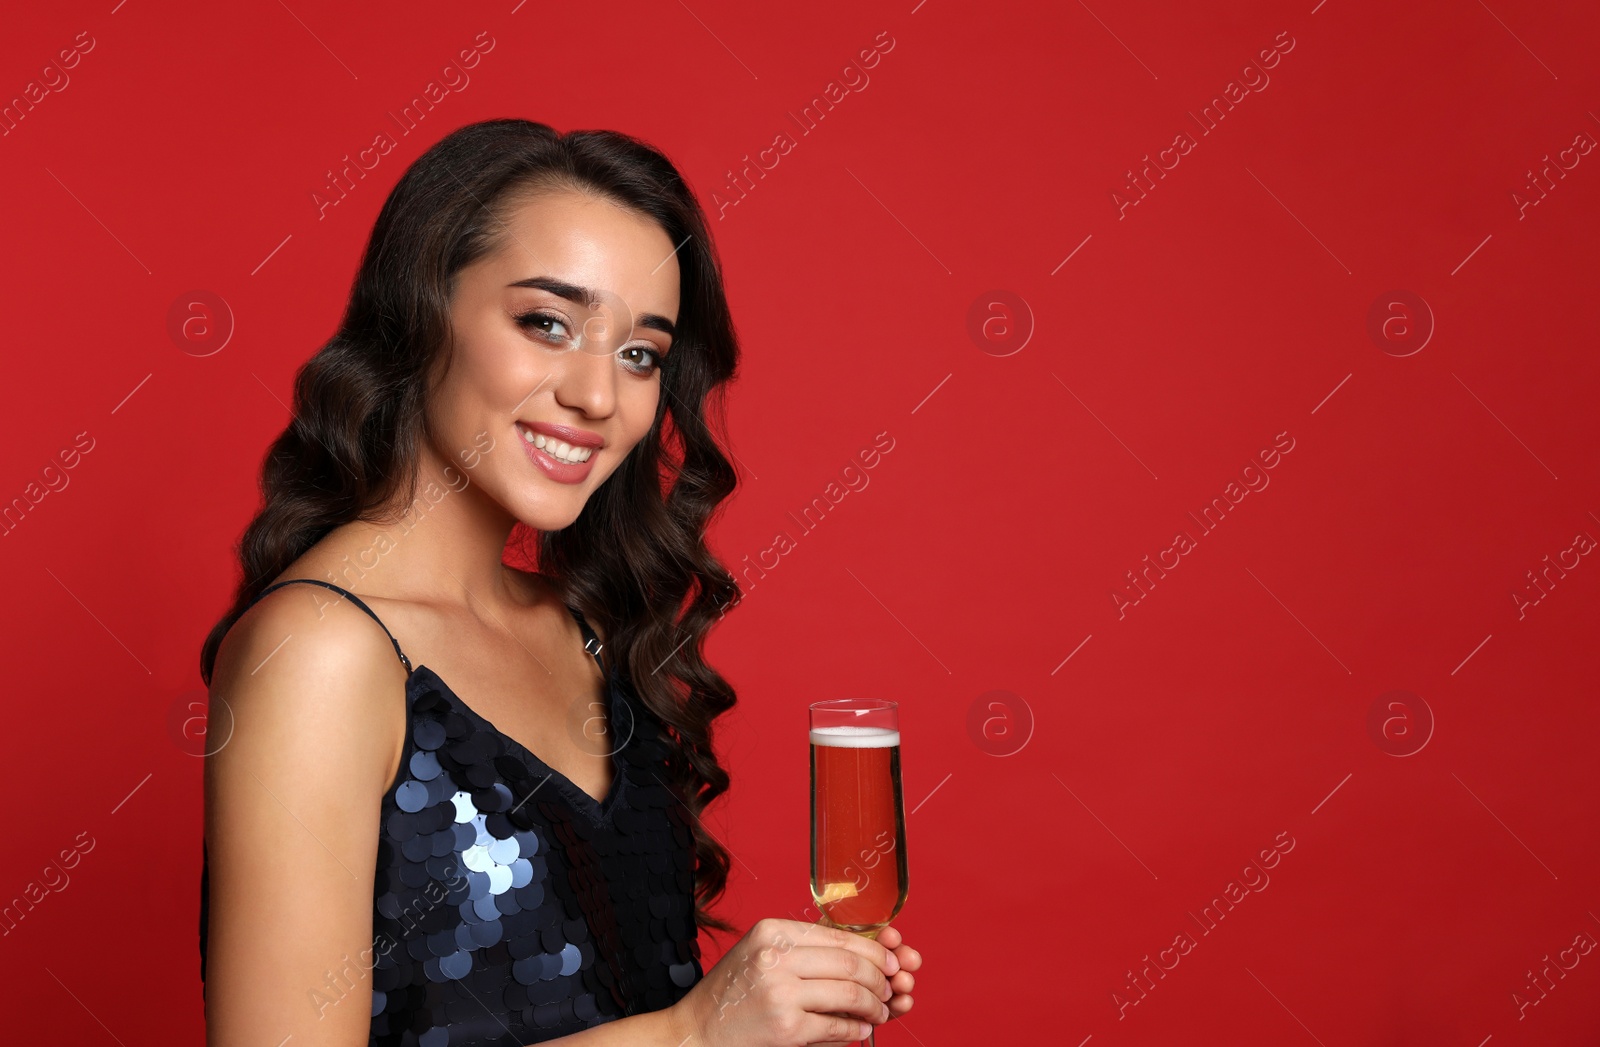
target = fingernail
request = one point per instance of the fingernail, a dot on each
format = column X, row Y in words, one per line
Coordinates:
column 894, row 963
column 866, row 1031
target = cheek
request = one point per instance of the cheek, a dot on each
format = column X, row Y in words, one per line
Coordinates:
column 640, row 404
column 482, row 388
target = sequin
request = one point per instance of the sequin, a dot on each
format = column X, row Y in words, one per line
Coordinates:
column 424, row 767
column 521, row 909
column 411, row 797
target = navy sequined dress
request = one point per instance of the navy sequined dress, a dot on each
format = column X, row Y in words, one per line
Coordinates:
column 509, row 906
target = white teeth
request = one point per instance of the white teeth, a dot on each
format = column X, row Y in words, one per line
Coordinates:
column 558, row 449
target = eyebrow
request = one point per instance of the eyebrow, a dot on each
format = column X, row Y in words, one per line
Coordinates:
column 589, row 299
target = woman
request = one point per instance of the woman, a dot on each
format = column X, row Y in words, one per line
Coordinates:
column 536, row 333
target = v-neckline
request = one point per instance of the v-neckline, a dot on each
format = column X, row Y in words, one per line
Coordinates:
column 598, row 810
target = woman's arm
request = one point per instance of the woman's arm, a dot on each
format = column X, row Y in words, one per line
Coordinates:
column 293, row 802
column 292, row 808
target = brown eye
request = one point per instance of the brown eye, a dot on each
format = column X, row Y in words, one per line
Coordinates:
column 540, row 323
column 641, row 360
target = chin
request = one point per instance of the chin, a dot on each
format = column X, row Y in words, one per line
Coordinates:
column 547, row 517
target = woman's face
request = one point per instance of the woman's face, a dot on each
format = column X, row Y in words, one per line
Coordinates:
column 559, row 336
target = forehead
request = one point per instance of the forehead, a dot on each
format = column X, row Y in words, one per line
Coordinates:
column 590, row 241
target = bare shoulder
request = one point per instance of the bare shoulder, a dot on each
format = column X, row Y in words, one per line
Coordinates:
column 314, row 700
column 308, row 672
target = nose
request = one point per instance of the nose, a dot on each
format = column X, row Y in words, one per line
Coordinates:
column 586, row 380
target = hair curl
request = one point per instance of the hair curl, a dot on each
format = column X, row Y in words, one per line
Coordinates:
column 635, row 562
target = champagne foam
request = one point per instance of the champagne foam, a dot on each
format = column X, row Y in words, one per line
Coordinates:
column 855, row 737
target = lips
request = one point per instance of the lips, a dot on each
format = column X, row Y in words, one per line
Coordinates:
column 564, row 454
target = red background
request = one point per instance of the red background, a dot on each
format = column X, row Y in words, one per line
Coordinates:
column 1230, row 705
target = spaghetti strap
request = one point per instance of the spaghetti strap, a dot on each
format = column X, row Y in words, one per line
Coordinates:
column 353, row 598
column 591, row 642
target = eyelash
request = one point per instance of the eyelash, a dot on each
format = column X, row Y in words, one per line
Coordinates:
column 527, row 321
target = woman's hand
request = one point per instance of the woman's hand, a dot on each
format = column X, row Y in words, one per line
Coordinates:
column 793, row 984
column 901, row 982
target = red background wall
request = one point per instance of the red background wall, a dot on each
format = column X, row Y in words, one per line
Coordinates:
column 1141, row 756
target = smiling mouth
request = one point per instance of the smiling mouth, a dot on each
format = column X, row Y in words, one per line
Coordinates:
column 561, row 451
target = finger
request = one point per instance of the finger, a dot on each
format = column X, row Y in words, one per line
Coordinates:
column 902, row 982
column 818, row 934
column 890, row 937
column 837, row 965
column 826, row 996
column 910, row 959
column 830, row 1028
column 899, row 1005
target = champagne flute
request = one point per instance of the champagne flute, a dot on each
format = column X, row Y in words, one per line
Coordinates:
column 858, row 823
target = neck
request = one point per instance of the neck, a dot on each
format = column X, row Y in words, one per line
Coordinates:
column 444, row 546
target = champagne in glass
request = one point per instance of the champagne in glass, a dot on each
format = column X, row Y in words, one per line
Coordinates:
column 858, row 824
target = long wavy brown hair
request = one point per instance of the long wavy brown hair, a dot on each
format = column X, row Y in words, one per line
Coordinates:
column 635, row 562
